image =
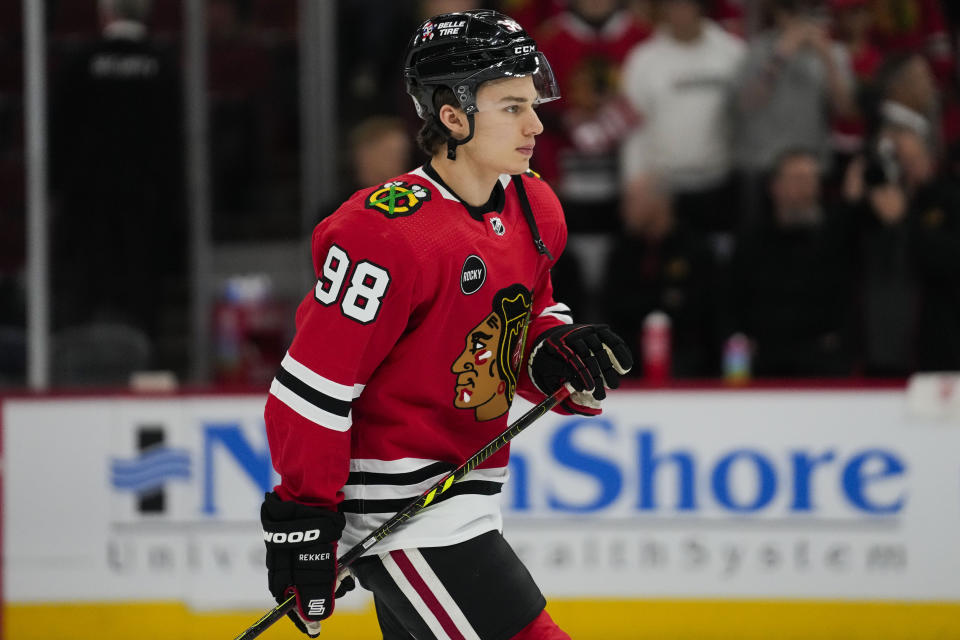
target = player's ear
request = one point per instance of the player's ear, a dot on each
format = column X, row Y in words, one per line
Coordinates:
column 455, row 120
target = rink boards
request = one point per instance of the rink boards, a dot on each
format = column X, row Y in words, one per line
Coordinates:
column 682, row 513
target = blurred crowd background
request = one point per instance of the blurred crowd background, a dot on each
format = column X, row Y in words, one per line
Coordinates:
column 771, row 188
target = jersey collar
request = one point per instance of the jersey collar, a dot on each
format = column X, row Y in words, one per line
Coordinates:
column 497, row 197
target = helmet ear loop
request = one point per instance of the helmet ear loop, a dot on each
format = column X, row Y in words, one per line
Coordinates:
column 453, row 143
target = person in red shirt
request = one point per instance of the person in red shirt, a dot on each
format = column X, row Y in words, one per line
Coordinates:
column 587, row 44
column 433, row 308
column 853, row 26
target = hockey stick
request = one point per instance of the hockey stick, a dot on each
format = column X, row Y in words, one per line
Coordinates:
column 418, row 505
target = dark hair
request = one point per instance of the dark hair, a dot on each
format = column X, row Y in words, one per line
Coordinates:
column 432, row 135
column 771, row 8
column 892, row 67
column 793, row 153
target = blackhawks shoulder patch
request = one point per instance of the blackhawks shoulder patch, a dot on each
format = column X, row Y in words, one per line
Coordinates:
column 396, row 199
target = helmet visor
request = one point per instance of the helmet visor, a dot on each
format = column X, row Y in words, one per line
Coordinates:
column 533, row 64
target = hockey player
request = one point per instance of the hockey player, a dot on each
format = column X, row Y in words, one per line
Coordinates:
column 432, row 308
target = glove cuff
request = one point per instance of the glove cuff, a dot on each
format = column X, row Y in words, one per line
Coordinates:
column 533, row 354
column 583, row 403
column 293, row 524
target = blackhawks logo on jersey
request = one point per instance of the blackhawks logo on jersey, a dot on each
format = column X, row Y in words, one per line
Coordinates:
column 395, row 199
column 488, row 368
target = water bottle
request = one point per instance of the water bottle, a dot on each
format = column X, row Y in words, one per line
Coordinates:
column 736, row 359
column 656, row 347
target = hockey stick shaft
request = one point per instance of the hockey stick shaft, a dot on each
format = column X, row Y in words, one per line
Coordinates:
column 425, row 499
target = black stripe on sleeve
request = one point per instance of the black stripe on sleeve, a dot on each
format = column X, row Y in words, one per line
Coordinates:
column 465, row 487
column 316, row 398
column 400, row 479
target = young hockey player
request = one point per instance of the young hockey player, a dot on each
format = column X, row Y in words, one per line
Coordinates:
column 432, row 308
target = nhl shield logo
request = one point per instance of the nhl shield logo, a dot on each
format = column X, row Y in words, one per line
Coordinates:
column 497, row 225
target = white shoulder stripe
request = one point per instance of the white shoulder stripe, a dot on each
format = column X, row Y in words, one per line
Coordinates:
column 318, row 382
column 558, row 307
column 559, row 311
column 309, row 411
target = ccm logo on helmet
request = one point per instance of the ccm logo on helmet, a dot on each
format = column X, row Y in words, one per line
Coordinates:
column 527, row 48
column 292, row 537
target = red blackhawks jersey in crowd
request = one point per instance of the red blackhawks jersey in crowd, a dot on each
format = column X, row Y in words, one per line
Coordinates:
column 409, row 351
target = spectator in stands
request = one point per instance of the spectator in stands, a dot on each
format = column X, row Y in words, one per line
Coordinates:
column 119, row 241
column 680, row 83
column 853, row 29
column 658, row 264
column 730, row 14
column 379, row 149
column 794, row 79
column 643, row 12
column 915, row 25
column 906, row 96
column 790, row 286
column 909, row 253
column 853, row 21
column 586, row 45
column 905, row 93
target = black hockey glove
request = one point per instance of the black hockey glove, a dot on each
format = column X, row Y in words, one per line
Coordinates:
column 590, row 357
column 302, row 559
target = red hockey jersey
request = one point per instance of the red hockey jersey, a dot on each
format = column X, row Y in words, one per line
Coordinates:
column 408, row 353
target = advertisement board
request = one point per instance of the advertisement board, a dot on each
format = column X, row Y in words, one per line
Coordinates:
column 759, row 494
column 704, row 495
column 126, row 499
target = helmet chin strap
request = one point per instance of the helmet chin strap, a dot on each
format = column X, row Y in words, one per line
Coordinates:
column 453, row 143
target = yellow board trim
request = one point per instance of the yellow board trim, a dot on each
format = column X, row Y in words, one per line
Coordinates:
column 582, row 619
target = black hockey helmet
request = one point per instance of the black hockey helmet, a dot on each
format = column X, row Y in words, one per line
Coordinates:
column 462, row 50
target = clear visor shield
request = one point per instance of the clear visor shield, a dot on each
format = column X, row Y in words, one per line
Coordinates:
column 532, row 64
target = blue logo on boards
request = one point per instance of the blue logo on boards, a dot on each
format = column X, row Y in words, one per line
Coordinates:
column 655, row 478
column 150, row 470
column 867, row 481
column 255, row 463
column 223, row 444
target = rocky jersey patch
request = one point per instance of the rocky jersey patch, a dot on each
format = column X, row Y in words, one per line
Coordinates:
column 396, row 199
column 472, row 275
